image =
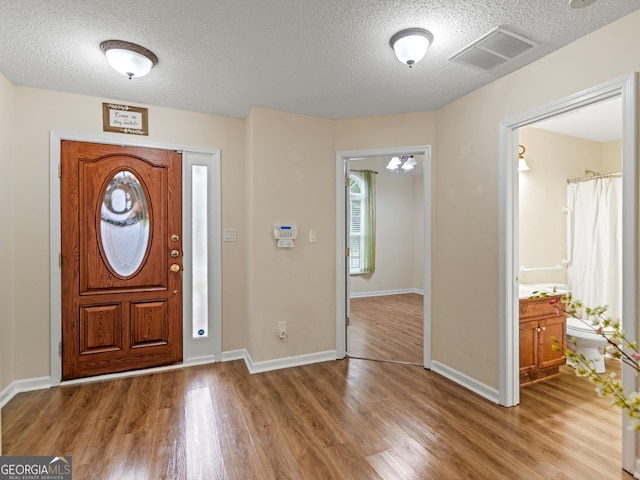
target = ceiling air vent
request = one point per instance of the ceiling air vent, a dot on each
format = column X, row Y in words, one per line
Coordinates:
column 494, row 49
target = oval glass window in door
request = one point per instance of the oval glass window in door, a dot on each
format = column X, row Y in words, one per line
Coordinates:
column 124, row 223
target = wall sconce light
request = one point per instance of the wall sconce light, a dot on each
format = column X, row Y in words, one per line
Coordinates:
column 128, row 58
column 522, row 163
column 410, row 45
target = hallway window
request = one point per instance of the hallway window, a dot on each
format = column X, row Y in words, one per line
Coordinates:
column 362, row 224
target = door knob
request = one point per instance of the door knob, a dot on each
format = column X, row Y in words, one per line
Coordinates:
column 174, row 268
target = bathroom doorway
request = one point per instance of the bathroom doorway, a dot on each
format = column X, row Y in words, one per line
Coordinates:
column 395, row 237
column 570, row 197
column 625, row 89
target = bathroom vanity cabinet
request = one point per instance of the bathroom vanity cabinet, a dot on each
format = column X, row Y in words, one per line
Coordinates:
column 539, row 323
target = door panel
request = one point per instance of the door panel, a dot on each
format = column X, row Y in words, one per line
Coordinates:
column 121, row 216
column 100, row 328
column 149, row 324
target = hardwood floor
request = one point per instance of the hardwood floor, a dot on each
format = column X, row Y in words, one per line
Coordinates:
column 349, row 419
column 387, row 328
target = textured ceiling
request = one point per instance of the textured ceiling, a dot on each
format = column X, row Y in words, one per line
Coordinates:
column 328, row 58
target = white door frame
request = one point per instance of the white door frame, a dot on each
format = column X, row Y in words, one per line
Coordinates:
column 342, row 289
column 195, row 350
column 626, row 88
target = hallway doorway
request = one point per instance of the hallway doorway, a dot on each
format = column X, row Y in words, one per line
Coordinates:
column 343, row 271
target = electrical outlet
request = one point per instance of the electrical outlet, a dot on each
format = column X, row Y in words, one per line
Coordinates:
column 282, row 330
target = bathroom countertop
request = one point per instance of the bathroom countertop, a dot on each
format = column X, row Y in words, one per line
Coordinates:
column 526, row 291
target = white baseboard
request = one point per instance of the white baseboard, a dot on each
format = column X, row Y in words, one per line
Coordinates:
column 287, row 362
column 491, row 394
column 204, row 360
column 19, row 386
column 385, row 292
column 40, row 383
column 239, row 354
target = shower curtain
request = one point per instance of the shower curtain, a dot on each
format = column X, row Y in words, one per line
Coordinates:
column 594, row 274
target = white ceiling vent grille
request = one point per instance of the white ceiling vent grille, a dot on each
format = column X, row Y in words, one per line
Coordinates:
column 492, row 50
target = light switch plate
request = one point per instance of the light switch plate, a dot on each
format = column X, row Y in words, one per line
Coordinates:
column 230, row 235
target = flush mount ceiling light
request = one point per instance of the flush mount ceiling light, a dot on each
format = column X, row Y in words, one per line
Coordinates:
column 411, row 44
column 128, row 58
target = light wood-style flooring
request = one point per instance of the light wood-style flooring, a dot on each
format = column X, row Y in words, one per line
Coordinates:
column 348, row 419
column 388, row 328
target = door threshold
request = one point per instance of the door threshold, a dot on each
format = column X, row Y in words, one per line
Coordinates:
column 399, row 362
column 128, row 373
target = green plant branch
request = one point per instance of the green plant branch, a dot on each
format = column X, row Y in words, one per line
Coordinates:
column 620, row 347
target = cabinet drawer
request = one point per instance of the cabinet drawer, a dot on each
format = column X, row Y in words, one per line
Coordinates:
column 539, row 307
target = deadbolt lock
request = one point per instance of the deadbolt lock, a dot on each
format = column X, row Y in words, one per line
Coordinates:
column 175, row 238
column 175, row 253
column 174, row 268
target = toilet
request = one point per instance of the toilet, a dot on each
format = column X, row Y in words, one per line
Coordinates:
column 588, row 342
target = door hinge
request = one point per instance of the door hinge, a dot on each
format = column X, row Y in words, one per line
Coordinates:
column 346, row 252
column 348, row 321
column 59, row 170
column 60, row 348
column 59, row 260
column 346, row 181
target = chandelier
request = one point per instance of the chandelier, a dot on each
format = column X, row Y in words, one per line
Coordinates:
column 404, row 162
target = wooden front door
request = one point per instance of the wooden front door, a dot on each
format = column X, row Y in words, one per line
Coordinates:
column 121, row 214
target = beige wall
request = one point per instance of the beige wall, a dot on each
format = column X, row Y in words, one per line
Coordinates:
column 465, row 255
column 611, row 157
column 553, row 158
column 395, row 235
column 385, row 131
column 38, row 112
column 418, row 233
column 292, row 173
column 7, row 242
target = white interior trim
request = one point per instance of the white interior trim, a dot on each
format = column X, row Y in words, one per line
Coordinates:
column 466, row 381
column 205, row 351
column 382, row 293
column 42, row 383
column 19, row 386
column 287, row 362
column 626, row 87
column 342, row 287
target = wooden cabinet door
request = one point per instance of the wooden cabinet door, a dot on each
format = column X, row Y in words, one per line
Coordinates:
column 528, row 347
column 121, row 215
column 552, row 327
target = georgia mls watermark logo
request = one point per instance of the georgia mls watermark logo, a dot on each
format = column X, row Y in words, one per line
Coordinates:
column 35, row 468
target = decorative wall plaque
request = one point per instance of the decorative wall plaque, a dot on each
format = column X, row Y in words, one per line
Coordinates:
column 125, row 119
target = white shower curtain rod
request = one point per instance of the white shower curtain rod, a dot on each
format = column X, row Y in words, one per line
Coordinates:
column 593, row 176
